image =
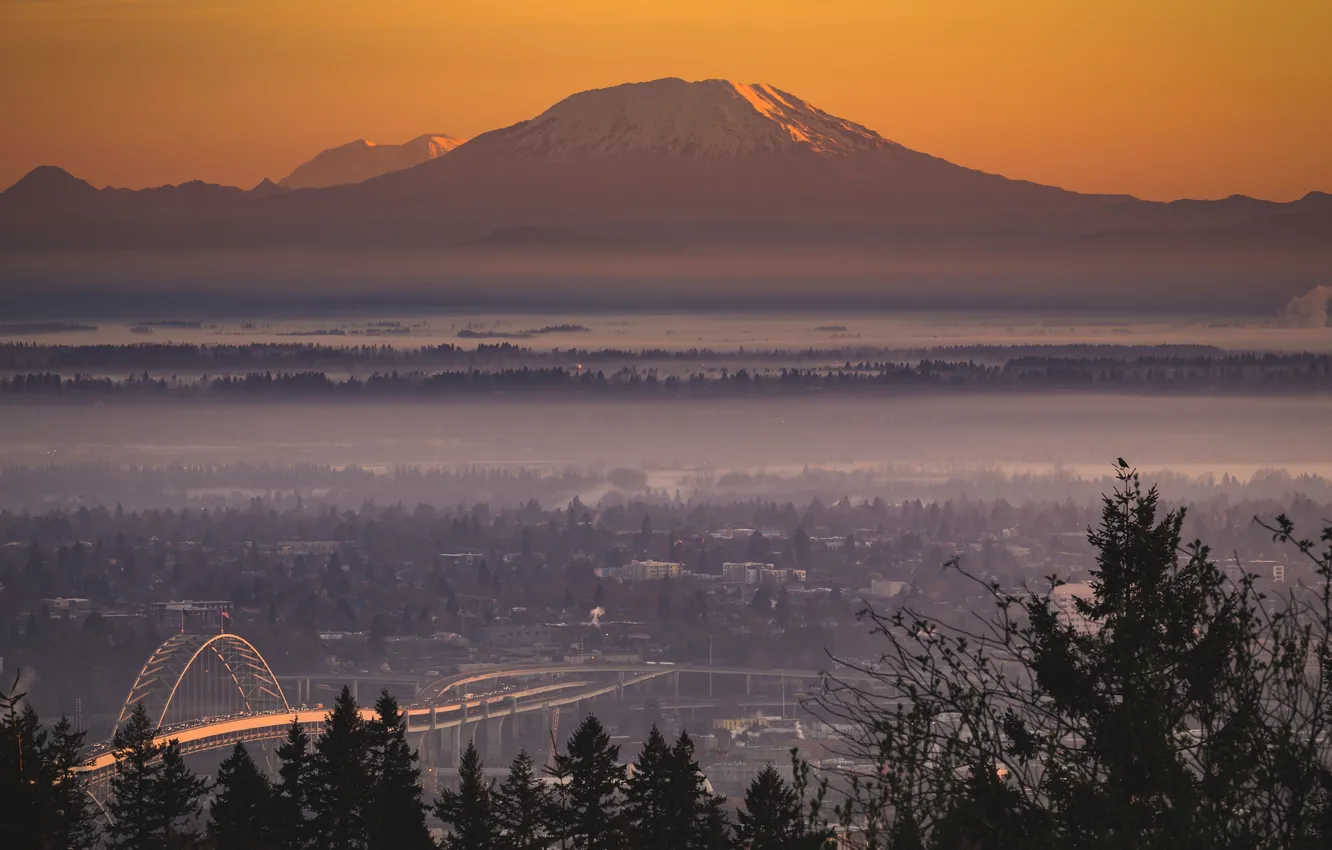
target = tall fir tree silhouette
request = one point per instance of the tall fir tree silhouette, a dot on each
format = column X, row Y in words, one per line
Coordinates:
column 587, row 810
column 291, row 811
column 770, row 818
column 155, row 797
column 43, row 800
column 647, row 804
column 340, row 779
column 521, row 805
column 469, row 811
column 700, row 821
column 242, row 815
column 397, row 815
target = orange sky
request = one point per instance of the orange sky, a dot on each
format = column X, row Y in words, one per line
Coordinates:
column 1160, row 98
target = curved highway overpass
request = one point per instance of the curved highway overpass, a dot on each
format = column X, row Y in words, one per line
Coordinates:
column 229, row 668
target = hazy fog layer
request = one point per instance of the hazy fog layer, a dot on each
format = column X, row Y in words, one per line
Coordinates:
column 683, row 330
column 670, row 438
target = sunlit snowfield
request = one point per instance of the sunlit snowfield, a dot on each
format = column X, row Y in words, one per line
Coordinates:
column 719, row 331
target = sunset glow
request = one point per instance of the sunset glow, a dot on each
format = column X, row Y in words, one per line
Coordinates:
column 1162, row 100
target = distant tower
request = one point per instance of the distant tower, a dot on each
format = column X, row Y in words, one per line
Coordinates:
column 78, row 714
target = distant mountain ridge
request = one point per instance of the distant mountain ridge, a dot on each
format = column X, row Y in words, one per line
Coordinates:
column 361, row 160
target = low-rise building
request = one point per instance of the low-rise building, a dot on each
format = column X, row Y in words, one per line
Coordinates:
column 886, row 588
column 642, row 571
column 515, row 635
column 755, row 573
column 1064, row 597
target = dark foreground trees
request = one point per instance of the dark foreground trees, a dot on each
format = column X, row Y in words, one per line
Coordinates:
column 43, row 801
column 521, row 806
column 588, row 783
column 1173, row 707
column 155, row 799
column 771, row 817
column 469, row 811
column 397, row 815
column 242, row 816
column 134, row 787
column 356, row 787
column 291, row 808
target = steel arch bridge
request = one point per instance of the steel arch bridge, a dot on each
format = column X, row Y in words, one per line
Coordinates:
column 194, row 676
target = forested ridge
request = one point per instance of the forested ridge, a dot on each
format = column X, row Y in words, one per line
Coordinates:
column 1240, row 374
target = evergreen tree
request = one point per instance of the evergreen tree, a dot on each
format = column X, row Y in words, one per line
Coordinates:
column 339, row 787
column 469, row 812
column 1170, row 708
column 771, row 816
column 650, row 821
column 521, row 805
column 22, row 775
column 700, row 813
column 241, row 817
column 397, row 820
column 586, row 814
column 291, row 813
column 154, row 795
column 74, row 826
column 134, row 821
column 43, row 801
column 177, row 798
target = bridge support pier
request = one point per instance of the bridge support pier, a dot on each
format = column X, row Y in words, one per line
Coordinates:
column 444, row 756
column 423, row 748
column 495, row 742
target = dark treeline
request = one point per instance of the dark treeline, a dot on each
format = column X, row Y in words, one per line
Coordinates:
column 188, row 357
column 1268, row 373
column 357, row 786
column 260, row 356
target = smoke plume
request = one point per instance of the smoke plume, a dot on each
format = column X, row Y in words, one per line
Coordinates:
column 596, row 615
column 1310, row 309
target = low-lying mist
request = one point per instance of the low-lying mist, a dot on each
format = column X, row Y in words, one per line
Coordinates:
column 1037, row 446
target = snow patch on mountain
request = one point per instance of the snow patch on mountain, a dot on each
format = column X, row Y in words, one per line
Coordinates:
column 706, row 119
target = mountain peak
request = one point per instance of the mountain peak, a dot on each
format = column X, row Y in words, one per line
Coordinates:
column 708, row 119
column 266, row 187
column 49, row 181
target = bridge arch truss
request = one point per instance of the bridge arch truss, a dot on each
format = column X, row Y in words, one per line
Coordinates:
column 191, row 676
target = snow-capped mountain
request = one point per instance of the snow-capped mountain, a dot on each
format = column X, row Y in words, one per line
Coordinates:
column 701, row 120
column 670, row 159
column 660, row 163
column 361, row 160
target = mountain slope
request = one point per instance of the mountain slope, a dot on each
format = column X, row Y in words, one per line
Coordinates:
column 362, row 160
